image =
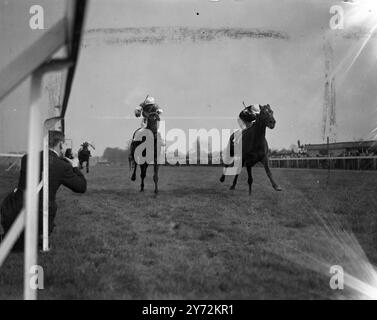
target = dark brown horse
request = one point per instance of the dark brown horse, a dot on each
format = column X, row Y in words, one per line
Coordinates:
column 255, row 147
column 84, row 155
column 153, row 119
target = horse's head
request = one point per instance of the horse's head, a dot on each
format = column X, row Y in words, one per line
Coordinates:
column 153, row 119
column 266, row 115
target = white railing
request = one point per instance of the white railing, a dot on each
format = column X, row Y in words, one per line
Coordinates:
column 346, row 163
column 11, row 155
column 15, row 159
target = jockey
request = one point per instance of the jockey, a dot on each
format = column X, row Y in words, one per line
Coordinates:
column 85, row 146
column 145, row 108
column 245, row 120
column 248, row 115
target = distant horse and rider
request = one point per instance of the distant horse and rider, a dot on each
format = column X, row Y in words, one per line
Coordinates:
column 84, row 155
column 150, row 112
column 252, row 140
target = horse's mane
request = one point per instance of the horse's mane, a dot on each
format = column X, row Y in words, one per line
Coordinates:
column 149, row 123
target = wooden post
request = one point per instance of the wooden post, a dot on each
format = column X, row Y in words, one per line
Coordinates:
column 49, row 123
column 45, row 190
column 328, row 161
column 12, row 236
column 32, row 182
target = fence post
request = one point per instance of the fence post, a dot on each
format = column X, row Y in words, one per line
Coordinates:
column 32, row 181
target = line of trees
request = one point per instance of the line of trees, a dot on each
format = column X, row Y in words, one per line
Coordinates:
column 120, row 156
column 116, row 155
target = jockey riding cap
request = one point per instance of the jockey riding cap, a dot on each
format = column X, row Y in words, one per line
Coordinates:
column 149, row 100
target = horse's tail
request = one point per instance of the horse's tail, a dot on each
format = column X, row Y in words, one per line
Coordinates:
column 229, row 151
column 231, row 145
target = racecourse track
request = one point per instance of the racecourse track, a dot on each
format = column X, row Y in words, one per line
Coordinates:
column 197, row 239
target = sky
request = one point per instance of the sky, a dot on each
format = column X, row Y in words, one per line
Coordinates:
column 201, row 59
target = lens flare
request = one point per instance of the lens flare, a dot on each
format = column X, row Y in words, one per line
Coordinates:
column 330, row 244
column 360, row 12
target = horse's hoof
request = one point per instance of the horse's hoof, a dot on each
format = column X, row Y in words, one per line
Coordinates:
column 141, row 190
column 133, row 178
column 232, row 188
column 277, row 188
column 222, row 179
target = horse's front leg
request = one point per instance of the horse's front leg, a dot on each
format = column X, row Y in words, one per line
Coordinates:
column 143, row 169
column 87, row 166
column 133, row 177
column 269, row 174
column 133, row 166
column 155, row 178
